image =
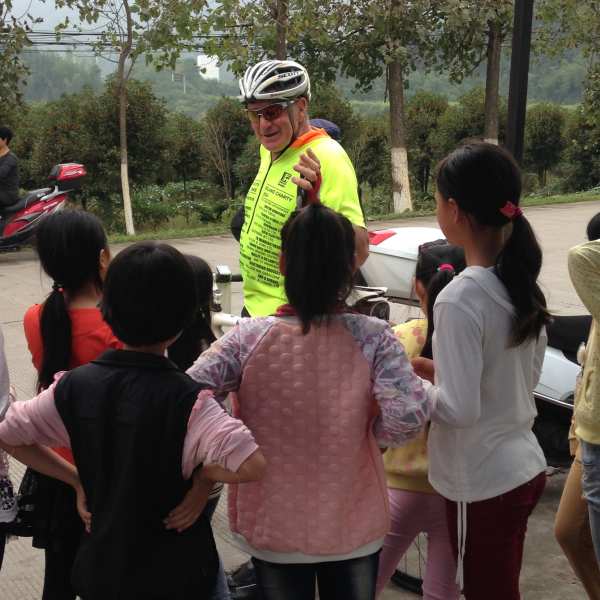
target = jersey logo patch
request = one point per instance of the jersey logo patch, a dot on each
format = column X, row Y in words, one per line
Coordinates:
column 284, row 179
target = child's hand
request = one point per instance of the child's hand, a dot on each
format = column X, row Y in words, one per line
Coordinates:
column 186, row 513
column 423, row 368
column 82, row 509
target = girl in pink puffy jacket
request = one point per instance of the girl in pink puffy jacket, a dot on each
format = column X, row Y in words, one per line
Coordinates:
column 321, row 389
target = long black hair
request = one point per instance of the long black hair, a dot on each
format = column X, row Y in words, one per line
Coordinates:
column 482, row 178
column 437, row 264
column 198, row 335
column 318, row 253
column 68, row 244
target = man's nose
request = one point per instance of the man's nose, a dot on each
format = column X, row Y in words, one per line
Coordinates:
column 263, row 124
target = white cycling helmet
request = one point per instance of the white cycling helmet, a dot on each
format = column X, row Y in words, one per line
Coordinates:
column 274, row 80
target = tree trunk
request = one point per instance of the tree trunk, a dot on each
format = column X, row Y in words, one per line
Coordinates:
column 492, row 82
column 281, row 20
column 129, row 226
column 122, row 87
column 400, row 178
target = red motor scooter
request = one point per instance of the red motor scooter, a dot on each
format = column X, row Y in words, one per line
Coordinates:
column 19, row 222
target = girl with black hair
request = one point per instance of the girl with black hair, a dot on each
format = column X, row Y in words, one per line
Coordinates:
column 66, row 331
column 195, row 338
column 415, row 507
column 198, row 335
column 488, row 346
column 320, row 387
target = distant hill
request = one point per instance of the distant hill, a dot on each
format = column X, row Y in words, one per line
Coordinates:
column 54, row 74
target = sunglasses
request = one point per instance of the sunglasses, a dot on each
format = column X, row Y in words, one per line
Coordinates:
column 269, row 113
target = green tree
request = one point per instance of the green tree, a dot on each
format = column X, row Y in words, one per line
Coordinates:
column 474, row 31
column 329, row 103
column 13, row 40
column 156, row 30
column 83, row 128
column 225, row 133
column 370, row 154
column 582, row 153
column 544, row 142
column 183, row 148
column 464, row 121
column 423, row 112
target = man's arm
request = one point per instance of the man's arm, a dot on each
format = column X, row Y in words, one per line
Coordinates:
column 361, row 242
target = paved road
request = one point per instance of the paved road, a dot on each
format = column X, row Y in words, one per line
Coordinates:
column 546, row 574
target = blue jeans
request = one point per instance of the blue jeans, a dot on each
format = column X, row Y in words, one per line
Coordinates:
column 352, row 579
column 221, row 591
column 590, row 483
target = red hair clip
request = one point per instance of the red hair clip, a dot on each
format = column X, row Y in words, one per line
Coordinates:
column 511, row 211
column 446, row 267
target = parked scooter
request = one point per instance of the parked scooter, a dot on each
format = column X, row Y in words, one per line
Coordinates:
column 19, row 222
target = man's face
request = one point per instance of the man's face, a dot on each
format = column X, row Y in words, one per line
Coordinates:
column 275, row 133
column 3, row 144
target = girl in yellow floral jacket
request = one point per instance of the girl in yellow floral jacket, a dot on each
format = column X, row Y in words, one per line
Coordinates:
column 414, row 505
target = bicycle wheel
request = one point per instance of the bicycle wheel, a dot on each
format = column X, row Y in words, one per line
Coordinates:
column 410, row 571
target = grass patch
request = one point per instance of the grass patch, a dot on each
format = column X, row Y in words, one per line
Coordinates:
column 174, row 233
column 171, row 233
column 535, row 200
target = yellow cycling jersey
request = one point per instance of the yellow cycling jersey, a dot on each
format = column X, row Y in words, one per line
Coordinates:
column 270, row 201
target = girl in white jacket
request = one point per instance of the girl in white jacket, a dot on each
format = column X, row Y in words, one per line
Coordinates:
column 488, row 348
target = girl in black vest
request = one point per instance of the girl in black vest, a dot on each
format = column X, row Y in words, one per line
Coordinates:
column 138, row 428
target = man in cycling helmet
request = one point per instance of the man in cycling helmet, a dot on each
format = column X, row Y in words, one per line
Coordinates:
column 276, row 94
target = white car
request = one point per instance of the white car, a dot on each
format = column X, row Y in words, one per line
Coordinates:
column 391, row 264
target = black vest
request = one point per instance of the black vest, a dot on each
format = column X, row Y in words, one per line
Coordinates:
column 126, row 414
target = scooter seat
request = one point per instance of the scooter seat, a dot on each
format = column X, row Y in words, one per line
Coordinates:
column 24, row 202
column 566, row 333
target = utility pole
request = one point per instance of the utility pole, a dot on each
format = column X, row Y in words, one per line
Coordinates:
column 519, row 75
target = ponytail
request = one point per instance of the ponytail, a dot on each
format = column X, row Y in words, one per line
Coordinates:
column 318, row 253
column 438, row 263
column 68, row 244
column 518, row 266
column 485, row 182
column 438, row 282
column 55, row 327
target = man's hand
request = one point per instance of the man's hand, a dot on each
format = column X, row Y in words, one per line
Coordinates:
column 186, row 513
column 423, row 368
column 309, row 168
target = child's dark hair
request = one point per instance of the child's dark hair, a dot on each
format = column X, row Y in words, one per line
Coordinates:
column 482, row 178
column 149, row 294
column 68, row 244
column 593, row 228
column 437, row 264
column 318, row 252
column 6, row 134
column 198, row 335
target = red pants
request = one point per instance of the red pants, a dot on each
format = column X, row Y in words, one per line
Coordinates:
column 495, row 537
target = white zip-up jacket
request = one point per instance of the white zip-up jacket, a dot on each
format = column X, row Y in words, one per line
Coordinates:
column 480, row 442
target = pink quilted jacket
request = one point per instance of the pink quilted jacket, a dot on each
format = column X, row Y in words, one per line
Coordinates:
column 317, row 405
